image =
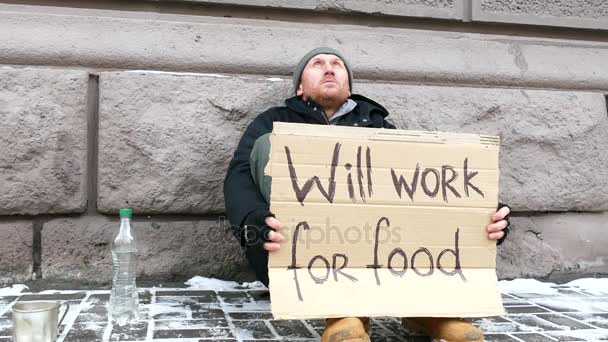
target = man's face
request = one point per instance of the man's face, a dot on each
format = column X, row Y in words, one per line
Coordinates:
column 325, row 80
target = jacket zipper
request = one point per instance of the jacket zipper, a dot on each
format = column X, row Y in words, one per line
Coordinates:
column 324, row 116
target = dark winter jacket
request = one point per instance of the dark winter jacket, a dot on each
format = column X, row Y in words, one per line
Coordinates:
column 243, row 200
column 245, row 204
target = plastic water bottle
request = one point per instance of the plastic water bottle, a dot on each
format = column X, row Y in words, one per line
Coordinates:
column 124, row 301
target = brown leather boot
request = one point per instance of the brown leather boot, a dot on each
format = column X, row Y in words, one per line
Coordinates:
column 444, row 329
column 347, row 329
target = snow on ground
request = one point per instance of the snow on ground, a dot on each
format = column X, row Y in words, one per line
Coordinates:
column 204, row 283
column 12, row 290
column 597, row 286
column 594, row 286
column 176, row 312
column 550, row 295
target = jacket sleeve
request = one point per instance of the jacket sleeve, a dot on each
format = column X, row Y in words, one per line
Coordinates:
column 241, row 195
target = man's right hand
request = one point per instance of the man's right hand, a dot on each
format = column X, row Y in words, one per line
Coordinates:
column 274, row 236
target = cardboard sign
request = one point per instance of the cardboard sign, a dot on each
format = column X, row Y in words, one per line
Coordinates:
column 382, row 222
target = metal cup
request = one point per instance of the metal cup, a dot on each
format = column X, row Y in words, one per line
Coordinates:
column 37, row 321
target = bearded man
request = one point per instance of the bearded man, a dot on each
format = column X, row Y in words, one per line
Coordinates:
column 323, row 84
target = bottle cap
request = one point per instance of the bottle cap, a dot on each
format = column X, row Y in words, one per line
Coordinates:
column 126, row 212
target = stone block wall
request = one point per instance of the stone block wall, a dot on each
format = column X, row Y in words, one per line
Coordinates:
column 141, row 104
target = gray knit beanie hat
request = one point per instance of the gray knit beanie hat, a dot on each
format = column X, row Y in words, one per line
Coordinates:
column 297, row 73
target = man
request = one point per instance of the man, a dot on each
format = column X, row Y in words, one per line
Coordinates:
column 323, row 82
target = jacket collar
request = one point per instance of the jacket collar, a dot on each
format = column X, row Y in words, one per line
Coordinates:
column 309, row 108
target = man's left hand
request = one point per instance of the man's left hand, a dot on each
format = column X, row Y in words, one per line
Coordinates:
column 495, row 229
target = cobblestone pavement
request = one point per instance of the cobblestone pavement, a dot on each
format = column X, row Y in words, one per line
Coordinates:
column 187, row 315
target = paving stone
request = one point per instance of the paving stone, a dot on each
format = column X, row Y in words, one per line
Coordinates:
column 183, row 318
column 247, row 307
column 568, row 304
column 393, row 338
column 532, row 323
column 86, row 332
column 91, row 317
column 171, row 312
column 498, row 338
column 557, row 308
column 533, row 337
column 208, row 294
column 6, row 331
column 131, row 332
column 191, row 324
column 404, row 339
column 7, row 300
column 252, row 316
column 565, row 337
column 564, row 321
column 233, row 297
column 177, row 300
column 208, row 313
column 57, row 296
column 391, row 325
column 495, row 325
column 524, row 309
column 513, row 301
column 260, row 296
column 596, row 320
column 100, row 296
column 291, row 329
column 252, row 330
column 194, row 333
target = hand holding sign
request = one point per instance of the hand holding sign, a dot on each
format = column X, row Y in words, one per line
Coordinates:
column 273, row 235
column 496, row 229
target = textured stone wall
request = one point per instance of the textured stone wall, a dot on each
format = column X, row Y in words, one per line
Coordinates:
column 43, row 141
column 568, row 13
column 444, row 9
column 103, row 108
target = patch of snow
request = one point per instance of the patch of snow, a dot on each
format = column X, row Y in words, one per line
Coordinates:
column 243, row 334
column 185, row 324
column 204, row 283
column 88, row 304
column 594, row 286
column 488, row 325
column 92, row 326
column 14, row 290
column 528, row 286
column 275, row 79
column 573, row 304
column 59, row 292
column 548, row 295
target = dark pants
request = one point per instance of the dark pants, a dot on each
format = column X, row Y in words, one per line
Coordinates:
column 255, row 253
